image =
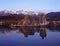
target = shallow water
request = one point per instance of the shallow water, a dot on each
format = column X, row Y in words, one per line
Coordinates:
column 30, row 36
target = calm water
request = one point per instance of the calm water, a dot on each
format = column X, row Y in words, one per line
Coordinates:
column 30, row 36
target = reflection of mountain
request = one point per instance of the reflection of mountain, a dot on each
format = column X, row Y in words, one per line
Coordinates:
column 29, row 30
column 7, row 31
column 25, row 30
column 54, row 28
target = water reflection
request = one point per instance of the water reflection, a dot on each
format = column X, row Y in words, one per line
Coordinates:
column 31, row 30
column 26, row 31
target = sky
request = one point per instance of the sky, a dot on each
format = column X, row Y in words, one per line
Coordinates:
column 31, row 5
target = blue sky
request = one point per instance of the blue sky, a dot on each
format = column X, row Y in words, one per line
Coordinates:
column 34, row 5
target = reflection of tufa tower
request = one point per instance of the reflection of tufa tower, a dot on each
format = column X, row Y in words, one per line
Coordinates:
column 43, row 32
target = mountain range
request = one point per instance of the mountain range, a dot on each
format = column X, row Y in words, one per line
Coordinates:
column 22, row 13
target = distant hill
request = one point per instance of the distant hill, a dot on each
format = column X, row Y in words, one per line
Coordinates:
column 53, row 16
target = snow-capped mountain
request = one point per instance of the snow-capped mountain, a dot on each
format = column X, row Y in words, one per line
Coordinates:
column 27, row 12
column 6, row 12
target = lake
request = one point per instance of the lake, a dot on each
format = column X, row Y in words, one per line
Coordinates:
column 30, row 36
